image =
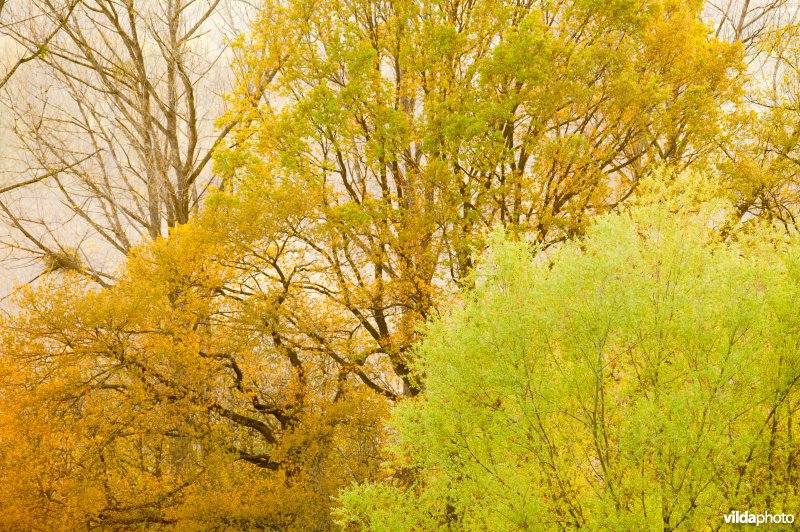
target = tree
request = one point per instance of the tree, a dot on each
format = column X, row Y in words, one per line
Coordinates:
column 159, row 401
column 759, row 154
column 114, row 121
column 749, row 21
column 41, row 36
column 642, row 377
column 395, row 135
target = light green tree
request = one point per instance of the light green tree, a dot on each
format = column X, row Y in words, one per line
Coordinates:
column 644, row 377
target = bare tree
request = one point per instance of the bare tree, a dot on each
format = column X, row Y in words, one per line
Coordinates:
column 747, row 20
column 44, row 32
column 114, row 124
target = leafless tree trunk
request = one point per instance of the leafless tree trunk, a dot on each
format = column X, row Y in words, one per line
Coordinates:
column 113, row 124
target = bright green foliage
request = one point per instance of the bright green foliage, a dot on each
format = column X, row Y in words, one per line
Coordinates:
column 644, row 377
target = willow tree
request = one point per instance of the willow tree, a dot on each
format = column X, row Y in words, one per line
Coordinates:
column 645, row 377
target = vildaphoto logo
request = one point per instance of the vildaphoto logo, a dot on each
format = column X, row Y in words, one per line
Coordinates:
column 746, row 518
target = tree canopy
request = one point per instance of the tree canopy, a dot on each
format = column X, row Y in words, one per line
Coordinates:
column 643, row 377
column 411, row 129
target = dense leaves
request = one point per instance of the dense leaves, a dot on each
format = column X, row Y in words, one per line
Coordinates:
column 161, row 401
column 410, row 129
column 645, row 377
